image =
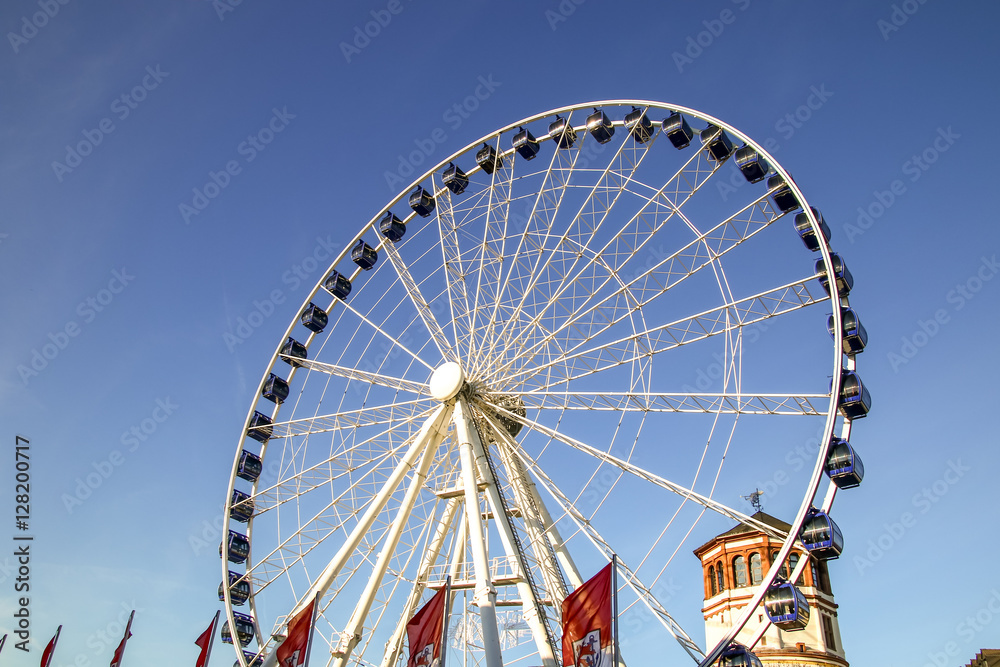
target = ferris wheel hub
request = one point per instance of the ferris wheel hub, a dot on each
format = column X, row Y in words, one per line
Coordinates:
column 447, row 380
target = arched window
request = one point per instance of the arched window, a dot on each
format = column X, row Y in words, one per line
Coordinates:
column 793, row 561
column 711, row 579
column 755, row 574
column 740, row 571
column 719, row 576
column 783, row 572
column 815, row 572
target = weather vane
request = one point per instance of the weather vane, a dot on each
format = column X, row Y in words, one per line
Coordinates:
column 754, row 500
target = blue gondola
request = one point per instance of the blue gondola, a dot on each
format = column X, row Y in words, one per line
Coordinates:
column 676, row 127
column 293, row 351
column 250, row 465
column 805, row 230
column 422, row 202
column 562, row 133
column 338, row 285
column 717, row 143
column 639, row 125
column 241, row 506
column 786, row 606
column 314, row 318
column 750, row 162
column 259, row 427
column 237, row 547
column 364, row 255
column 738, row 655
column 782, row 196
column 275, row 389
column 843, row 465
column 455, row 179
column 855, row 402
column 845, row 281
column 600, row 126
column 392, row 227
column 244, row 629
column 487, row 159
column 252, row 660
column 239, row 589
column 821, row 536
column 525, row 144
column 854, row 334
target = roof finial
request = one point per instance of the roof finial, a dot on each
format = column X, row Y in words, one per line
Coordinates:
column 754, row 500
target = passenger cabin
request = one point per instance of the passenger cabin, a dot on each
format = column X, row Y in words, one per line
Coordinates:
column 241, row 506
column 525, row 144
column 338, row 285
column 781, row 194
column 639, row 125
column 422, row 202
column 293, row 351
column 751, row 164
column 600, row 126
column 845, row 281
column 239, row 589
column 392, row 227
column 455, row 179
column 854, row 335
column 821, row 536
column 252, row 659
column 843, row 465
column 676, row 127
column 855, row 402
column 487, row 159
column 237, row 547
column 250, row 465
column 364, row 255
column 738, row 655
column 786, row 606
column 275, row 389
column 314, row 318
column 259, row 427
column 562, row 133
column 805, row 230
column 718, row 145
column 244, row 629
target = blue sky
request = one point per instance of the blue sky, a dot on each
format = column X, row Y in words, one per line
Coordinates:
column 879, row 109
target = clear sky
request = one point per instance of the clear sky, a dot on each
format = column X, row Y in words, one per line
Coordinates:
column 136, row 287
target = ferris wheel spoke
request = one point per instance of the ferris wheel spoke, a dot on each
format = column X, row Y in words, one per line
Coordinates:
column 722, row 403
column 725, row 319
column 418, row 301
column 367, row 416
column 365, row 376
column 381, row 332
column 455, row 271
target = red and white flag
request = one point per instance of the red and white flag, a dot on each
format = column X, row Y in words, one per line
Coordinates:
column 425, row 631
column 116, row 659
column 50, row 648
column 589, row 622
column 205, row 642
column 294, row 651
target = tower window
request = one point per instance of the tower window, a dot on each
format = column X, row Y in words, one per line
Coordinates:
column 740, row 571
column 755, row 574
column 720, row 577
column 711, row 579
column 831, row 642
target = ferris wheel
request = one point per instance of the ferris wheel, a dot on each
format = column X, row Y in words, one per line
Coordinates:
column 541, row 354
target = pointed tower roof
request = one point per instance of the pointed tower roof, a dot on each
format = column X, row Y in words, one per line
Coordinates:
column 742, row 528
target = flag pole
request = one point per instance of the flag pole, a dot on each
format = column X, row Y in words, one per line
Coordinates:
column 312, row 624
column 55, row 640
column 447, row 614
column 614, row 606
column 3, row 640
column 211, row 639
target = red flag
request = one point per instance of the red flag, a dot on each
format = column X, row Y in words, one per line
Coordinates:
column 3, row 640
column 205, row 642
column 116, row 660
column 425, row 631
column 588, row 623
column 50, row 649
column 294, row 651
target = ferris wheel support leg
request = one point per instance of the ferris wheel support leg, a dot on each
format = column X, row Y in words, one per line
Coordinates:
column 486, row 594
